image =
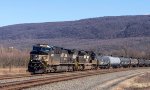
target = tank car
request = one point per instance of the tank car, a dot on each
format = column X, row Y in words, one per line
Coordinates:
column 141, row 62
column 147, row 63
column 109, row 61
column 125, row 62
column 134, row 62
column 103, row 63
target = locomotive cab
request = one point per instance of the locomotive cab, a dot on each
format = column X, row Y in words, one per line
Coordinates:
column 39, row 58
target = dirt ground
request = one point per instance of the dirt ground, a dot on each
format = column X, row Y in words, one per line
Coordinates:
column 12, row 71
column 141, row 82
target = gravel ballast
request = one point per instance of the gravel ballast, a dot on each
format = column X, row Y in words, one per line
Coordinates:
column 97, row 82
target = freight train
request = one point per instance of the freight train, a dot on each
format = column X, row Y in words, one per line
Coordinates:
column 45, row 58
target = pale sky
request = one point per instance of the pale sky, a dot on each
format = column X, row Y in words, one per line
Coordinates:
column 35, row 11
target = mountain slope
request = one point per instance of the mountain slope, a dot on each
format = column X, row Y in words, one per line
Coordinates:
column 93, row 28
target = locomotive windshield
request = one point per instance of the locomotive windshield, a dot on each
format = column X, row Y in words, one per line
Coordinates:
column 39, row 48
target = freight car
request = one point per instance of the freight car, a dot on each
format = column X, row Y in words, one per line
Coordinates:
column 125, row 62
column 134, row 62
column 108, row 62
column 141, row 62
column 147, row 63
column 44, row 58
column 103, row 63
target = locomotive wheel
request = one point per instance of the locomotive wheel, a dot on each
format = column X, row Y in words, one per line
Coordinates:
column 70, row 68
column 54, row 69
column 75, row 68
column 81, row 67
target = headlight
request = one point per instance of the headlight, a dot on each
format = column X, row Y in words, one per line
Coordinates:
column 52, row 55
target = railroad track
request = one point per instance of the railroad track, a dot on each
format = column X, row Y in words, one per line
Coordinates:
column 4, row 77
column 17, row 85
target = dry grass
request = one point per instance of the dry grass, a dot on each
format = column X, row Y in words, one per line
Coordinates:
column 141, row 83
column 12, row 71
column 13, row 61
column 144, row 78
column 137, row 83
column 11, row 57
